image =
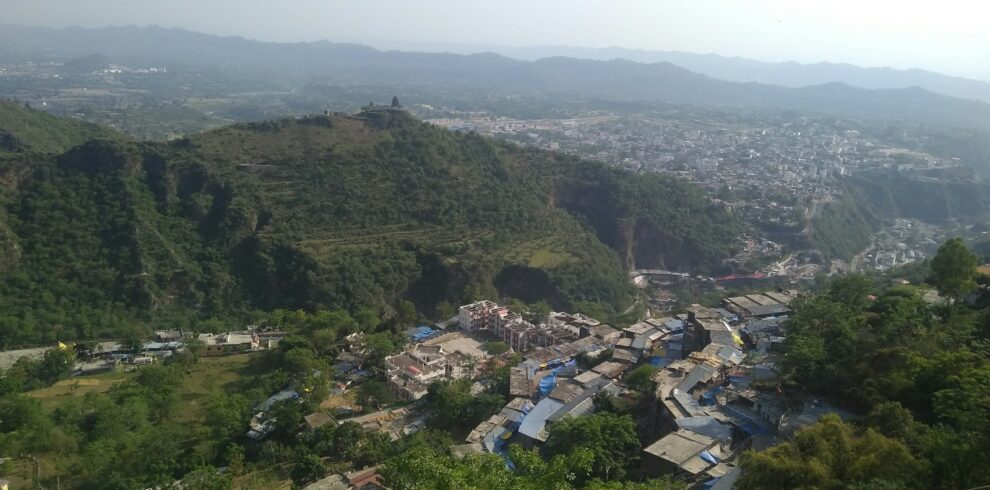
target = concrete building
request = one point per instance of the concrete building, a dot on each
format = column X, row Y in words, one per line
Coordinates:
column 229, row 343
column 682, row 451
column 761, row 305
column 480, row 315
column 410, row 373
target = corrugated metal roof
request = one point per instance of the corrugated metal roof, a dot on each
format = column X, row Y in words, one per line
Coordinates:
column 708, row 426
column 535, row 422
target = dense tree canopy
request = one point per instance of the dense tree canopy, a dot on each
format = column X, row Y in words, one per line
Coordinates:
column 920, row 370
column 831, row 455
column 954, row 269
column 450, row 404
column 431, row 469
column 386, row 217
column 610, row 439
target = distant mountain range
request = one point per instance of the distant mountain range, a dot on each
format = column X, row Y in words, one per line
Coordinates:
column 734, row 68
column 485, row 73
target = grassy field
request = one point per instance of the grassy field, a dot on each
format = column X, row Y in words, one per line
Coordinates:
column 58, row 393
column 324, row 244
column 545, row 252
column 269, row 478
column 207, row 378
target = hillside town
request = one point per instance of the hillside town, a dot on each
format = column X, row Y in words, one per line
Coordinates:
column 759, row 157
column 776, row 171
column 713, row 379
column 714, row 392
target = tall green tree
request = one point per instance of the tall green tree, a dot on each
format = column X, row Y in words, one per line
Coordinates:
column 444, row 311
column 407, row 313
column 640, row 379
column 450, row 404
column 374, row 394
column 56, row 364
column 954, row 269
column 832, row 455
column 610, row 438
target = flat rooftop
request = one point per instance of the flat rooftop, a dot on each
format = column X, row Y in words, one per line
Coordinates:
column 680, row 447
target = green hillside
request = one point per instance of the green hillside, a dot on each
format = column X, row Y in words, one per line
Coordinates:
column 845, row 226
column 25, row 130
column 325, row 212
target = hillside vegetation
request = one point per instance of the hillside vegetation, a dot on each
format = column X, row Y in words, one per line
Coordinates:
column 845, row 226
column 26, row 130
column 325, row 212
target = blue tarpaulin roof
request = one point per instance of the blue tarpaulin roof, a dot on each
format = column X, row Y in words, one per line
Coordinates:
column 660, row 362
column 707, row 456
column 422, row 333
column 547, row 384
column 753, row 429
column 708, row 397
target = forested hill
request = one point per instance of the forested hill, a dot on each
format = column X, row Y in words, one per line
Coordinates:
column 844, row 227
column 26, row 130
column 324, row 212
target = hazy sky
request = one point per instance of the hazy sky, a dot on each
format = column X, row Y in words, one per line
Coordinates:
column 951, row 36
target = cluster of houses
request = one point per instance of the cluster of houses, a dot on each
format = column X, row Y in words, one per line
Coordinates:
column 548, row 385
column 411, row 372
column 108, row 356
column 706, row 360
column 707, row 406
column 432, row 355
column 363, row 479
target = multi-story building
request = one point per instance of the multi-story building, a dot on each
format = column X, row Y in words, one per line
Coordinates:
column 411, row 372
column 520, row 334
column 480, row 315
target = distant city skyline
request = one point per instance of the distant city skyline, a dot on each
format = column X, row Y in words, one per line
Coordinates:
column 950, row 37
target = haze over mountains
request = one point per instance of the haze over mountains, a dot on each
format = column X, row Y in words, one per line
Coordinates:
column 528, row 268
column 735, row 68
column 620, row 80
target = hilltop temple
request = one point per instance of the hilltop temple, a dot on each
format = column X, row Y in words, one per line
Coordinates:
column 395, row 106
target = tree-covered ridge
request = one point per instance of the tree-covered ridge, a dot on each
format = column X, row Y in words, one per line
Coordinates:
column 25, row 130
column 842, row 228
column 93, row 248
column 917, row 365
column 325, row 212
